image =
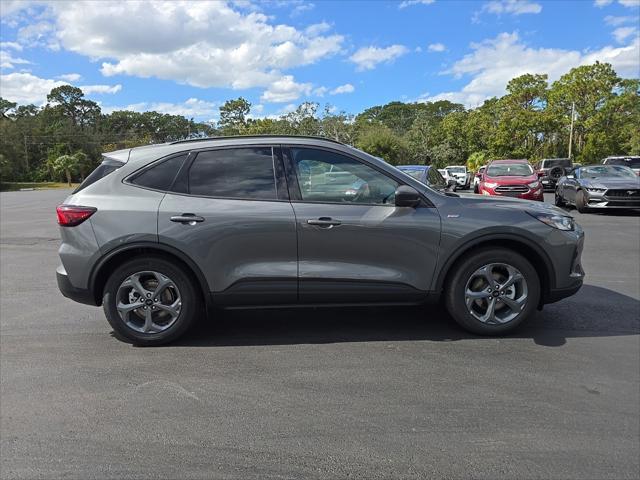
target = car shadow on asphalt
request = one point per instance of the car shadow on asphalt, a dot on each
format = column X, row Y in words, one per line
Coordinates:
column 593, row 312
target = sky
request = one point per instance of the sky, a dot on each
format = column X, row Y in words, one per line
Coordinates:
column 188, row 57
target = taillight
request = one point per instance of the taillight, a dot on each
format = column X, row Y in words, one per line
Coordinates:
column 72, row 215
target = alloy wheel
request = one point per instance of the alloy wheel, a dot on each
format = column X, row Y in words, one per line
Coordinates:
column 148, row 302
column 496, row 293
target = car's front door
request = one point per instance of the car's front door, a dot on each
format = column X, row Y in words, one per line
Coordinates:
column 230, row 213
column 354, row 244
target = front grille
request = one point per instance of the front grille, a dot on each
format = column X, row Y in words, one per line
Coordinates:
column 512, row 189
column 631, row 193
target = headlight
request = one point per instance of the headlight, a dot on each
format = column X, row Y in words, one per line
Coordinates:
column 596, row 190
column 490, row 185
column 561, row 222
column 534, row 185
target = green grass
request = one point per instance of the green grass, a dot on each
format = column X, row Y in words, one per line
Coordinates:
column 14, row 186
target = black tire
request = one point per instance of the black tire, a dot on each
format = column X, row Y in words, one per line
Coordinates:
column 581, row 202
column 191, row 306
column 454, row 294
column 476, row 188
column 559, row 201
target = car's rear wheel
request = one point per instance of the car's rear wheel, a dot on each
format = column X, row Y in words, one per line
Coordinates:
column 581, row 202
column 150, row 301
column 492, row 291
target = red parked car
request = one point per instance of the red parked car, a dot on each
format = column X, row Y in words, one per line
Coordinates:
column 511, row 178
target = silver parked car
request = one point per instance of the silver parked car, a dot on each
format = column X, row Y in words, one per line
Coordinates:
column 159, row 235
column 599, row 187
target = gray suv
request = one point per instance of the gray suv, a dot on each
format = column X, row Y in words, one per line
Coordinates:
column 162, row 235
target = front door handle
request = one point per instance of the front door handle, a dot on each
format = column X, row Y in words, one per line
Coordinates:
column 188, row 218
column 324, row 222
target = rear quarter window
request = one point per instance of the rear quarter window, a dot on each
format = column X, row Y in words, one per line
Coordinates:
column 160, row 175
column 107, row 166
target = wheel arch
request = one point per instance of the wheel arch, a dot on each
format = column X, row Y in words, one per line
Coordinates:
column 111, row 260
column 528, row 249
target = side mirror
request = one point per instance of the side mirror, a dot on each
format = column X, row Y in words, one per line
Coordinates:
column 407, row 196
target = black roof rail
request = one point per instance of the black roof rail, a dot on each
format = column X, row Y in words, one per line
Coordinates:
column 207, row 139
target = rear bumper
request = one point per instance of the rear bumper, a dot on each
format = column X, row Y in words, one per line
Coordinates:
column 80, row 295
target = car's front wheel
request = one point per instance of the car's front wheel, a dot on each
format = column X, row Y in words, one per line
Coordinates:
column 559, row 201
column 150, row 301
column 492, row 291
column 581, row 202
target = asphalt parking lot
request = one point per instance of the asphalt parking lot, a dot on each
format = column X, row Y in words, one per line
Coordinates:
column 359, row 393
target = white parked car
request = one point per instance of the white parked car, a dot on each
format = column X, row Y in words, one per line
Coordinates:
column 461, row 174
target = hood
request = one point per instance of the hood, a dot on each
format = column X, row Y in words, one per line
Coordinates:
column 511, row 179
column 484, row 201
column 611, row 182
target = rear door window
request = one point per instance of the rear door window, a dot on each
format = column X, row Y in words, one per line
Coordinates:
column 244, row 173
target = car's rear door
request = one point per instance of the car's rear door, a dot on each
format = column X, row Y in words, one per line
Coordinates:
column 354, row 244
column 230, row 213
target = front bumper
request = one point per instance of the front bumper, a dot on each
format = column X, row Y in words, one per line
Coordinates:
column 603, row 201
column 573, row 282
column 80, row 295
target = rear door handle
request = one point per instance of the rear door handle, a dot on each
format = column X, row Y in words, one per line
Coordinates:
column 188, row 218
column 324, row 222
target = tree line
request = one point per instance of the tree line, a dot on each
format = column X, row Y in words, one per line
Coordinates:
column 64, row 139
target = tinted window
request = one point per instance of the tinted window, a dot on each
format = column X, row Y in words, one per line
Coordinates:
column 556, row 162
column 161, row 175
column 101, row 171
column 326, row 176
column 509, row 170
column 234, row 173
column 435, row 179
column 631, row 162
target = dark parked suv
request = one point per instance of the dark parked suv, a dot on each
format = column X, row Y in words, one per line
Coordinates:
column 159, row 235
column 550, row 170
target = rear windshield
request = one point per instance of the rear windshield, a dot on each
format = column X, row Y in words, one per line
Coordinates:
column 631, row 162
column 556, row 162
column 413, row 172
column 107, row 166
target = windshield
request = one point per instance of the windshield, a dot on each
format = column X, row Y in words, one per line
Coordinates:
column 606, row 171
column 413, row 172
column 631, row 162
column 456, row 170
column 510, row 170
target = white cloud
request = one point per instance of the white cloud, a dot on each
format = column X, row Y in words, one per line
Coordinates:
column 190, row 108
column 622, row 33
column 495, row 61
column 437, row 47
column 285, row 90
column 301, row 8
column 512, row 7
column 100, row 89
column 70, row 77
column 14, row 45
column 203, row 44
column 8, row 61
column 367, row 58
column 24, row 88
column 408, row 3
column 346, row 88
column 624, row 3
column 320, row 91
column 317, row 28
column 617, row 21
